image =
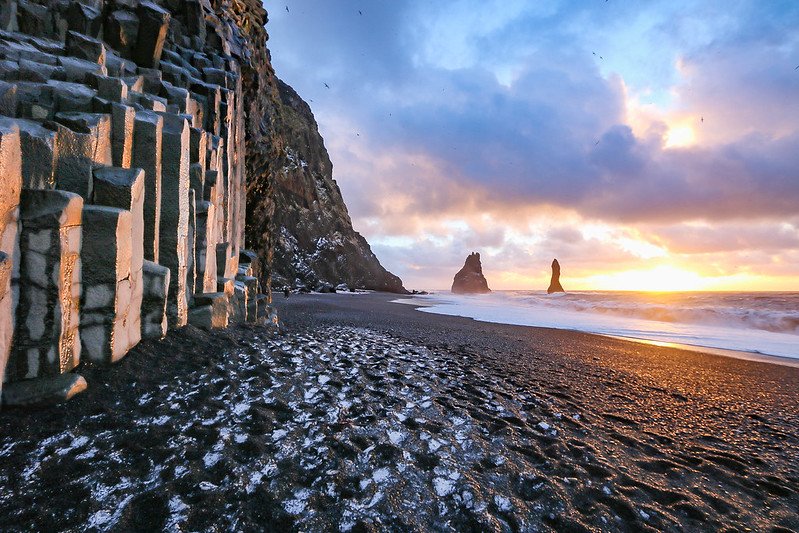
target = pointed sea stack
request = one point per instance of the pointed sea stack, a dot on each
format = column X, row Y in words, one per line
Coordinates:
column 470, row 279
column 554, row 285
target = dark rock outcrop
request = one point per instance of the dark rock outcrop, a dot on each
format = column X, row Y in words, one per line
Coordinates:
column 314, row 239
column 126, row 128
column 554, row 284
column 470, row 279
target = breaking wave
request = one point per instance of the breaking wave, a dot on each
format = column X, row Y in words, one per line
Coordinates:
column 764, row 323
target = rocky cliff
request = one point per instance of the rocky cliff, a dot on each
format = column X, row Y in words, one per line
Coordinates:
column 140, row 141
column 127, row 128
column 314, row 239
column 470, row 279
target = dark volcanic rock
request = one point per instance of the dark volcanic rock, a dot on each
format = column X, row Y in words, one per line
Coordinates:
column 470, row 279
column 554, row 285
column 314, row 239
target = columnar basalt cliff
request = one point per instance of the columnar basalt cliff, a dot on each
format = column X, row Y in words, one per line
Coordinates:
column 315, row 243
column 126, row 130
column 470, row 279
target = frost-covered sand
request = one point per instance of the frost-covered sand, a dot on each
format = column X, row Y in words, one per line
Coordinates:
column 366, row 414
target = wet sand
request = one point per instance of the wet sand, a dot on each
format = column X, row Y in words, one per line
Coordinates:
column 363, row 414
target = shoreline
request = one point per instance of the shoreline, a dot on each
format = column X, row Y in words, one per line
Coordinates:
column 749, row 355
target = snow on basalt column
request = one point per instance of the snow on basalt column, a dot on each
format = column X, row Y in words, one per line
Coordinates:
column 106, row 295
column 46, row 339
column 10, row 187
column 147, row 152
column 84, row 142
column 124, row 189
column 174, row 229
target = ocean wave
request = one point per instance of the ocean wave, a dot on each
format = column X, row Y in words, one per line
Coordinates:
column 766, row 323
column 769, row 315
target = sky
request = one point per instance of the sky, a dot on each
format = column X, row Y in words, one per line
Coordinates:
column 645, row 145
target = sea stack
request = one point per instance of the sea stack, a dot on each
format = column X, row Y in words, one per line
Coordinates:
column 470, row 279
column 554, row 285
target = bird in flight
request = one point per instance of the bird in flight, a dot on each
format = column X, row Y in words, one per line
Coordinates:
column 359, row 12
column 287, row 9
column 702, row 120
column 596, row 143
column 326, row 85
column 797, row 67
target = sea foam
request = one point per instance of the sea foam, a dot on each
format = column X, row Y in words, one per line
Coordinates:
column 756, row 323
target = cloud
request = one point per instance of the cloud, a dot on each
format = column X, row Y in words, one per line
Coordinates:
column 690, row 239
column 496, row 114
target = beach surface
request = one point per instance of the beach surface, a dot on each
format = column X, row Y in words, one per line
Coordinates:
column 363, row 414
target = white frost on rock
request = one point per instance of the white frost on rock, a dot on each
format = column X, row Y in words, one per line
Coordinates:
column 443, row 486
column 502, row 503
column 211, row 459
column 395, row 437
column 381, row 475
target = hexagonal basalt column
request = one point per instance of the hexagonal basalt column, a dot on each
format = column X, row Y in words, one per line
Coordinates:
column 46, row 339
column 84, row 142
column 173, row 235
column 122, row 123
column 153, row 24
column 148, row 131
column 124, row 189
column 107, row 288
column 205, row 243
column 10, row 187
column 154, row 300
column 38, row 155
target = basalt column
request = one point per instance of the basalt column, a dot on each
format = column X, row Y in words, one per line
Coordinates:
column 46, row 341
column 174, row 231
column 10, row 188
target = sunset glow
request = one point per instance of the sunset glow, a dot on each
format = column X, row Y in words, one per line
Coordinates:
column 659, row 279
column 679, row 136
column 524, row 134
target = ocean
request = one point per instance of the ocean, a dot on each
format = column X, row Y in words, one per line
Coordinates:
column 764, row 323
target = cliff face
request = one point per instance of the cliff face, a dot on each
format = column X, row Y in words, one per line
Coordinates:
column 136, row 139
column 314, row 241
column 127, row 131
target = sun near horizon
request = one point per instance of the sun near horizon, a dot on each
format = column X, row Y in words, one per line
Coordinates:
column 661, row 278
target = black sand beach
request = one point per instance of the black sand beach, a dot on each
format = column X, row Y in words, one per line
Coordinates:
column 368, row 415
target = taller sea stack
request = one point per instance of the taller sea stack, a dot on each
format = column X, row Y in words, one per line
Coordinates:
column 554, row 284
column 470, row 279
